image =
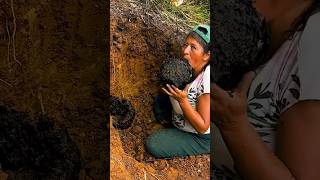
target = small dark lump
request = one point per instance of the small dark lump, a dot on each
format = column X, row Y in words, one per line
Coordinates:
column 122, row 111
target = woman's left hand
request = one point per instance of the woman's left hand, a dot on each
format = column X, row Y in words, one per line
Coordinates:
column 176, row 93
column 230, row 107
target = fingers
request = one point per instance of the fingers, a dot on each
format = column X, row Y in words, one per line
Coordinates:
column 176, row 90
column 217, row 92
column 245, row 83
column 172, row 90
column 186, row 88
column 164, row 89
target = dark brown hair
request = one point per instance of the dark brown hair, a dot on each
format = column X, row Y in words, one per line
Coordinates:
column 202, row 42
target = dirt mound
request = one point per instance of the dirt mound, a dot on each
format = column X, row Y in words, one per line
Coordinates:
column 47, row 151
column 138, row 48
column 125, row 167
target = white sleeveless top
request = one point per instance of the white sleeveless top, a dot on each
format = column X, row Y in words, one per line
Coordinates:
column 199, row 86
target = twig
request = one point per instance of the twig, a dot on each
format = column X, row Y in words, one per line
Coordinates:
column 145, row 174
column 155, row 159
column 6, row 82
column 154, row 175
column 9, row 38
column 41, row 102
column 14, row 34
column 114, row 66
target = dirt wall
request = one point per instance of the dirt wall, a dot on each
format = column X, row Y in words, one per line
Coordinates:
column 52, row 60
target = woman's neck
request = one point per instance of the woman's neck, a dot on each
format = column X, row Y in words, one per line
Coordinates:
column 281, row 24
column 198, row 70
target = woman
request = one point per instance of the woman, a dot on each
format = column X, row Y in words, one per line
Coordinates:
column 191, row 106
column 269, row 127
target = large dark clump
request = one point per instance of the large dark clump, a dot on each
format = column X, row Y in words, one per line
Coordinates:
column 123, row 112
column 177, row 72
column 41, row 150
column 239, row 38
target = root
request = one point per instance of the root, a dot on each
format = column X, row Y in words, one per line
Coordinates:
column 41, row 101
column 6, row 82
column 14, row 34
column 9, row 43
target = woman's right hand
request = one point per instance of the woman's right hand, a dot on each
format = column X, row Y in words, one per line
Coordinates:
column 176, row 93
column 230, row 108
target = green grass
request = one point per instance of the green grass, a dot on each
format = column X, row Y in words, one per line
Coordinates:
column 185, row 16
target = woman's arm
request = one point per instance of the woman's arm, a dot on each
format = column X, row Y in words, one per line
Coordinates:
column 199, row 118
column 297, row 153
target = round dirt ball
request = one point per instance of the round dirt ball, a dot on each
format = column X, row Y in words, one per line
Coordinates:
column 239, row 39
column 177, row 72
column 122, row 111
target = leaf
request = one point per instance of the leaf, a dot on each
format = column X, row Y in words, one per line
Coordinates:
column 295, row 93
column 256, row 105
column 280, row 86
column 296, row 79
column 267, row 94
column 264, row 134
column 267, row 85
column 257, row 90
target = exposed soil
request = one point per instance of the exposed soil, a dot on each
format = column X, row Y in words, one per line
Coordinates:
column 52, row 54
column 139, row 44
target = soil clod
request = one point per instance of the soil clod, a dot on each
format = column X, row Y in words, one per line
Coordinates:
column 239, row 38
column 177, row 72
column 123, row 112
column 36, row 152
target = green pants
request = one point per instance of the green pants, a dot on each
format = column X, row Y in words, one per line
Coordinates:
column 172, row 142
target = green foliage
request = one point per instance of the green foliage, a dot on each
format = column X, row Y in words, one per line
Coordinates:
column 186, row 16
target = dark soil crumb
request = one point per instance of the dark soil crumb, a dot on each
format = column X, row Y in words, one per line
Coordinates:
column 123, row 112
column 36, row 152
column 239, row 37
column 177, row 72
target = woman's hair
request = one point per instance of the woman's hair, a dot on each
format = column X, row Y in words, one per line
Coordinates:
column 200, row 40
column 300, row 22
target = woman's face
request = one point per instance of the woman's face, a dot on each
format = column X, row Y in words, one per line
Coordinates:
column 194, row 53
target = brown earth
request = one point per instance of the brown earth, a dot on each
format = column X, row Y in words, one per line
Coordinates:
column 139, row 42
column 52, row 54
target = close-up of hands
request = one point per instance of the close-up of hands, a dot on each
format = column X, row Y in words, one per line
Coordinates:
column 230, row 107
column 176, row 93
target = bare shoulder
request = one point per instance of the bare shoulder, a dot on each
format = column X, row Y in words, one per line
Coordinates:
column 297, row 143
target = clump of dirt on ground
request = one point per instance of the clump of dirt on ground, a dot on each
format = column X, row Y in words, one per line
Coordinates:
column 52, row 62
column 238, row 43
column 122, row 111
column 46, row 151
column 139, row 44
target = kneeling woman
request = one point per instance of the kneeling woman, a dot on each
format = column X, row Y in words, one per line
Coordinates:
column 191, row 106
